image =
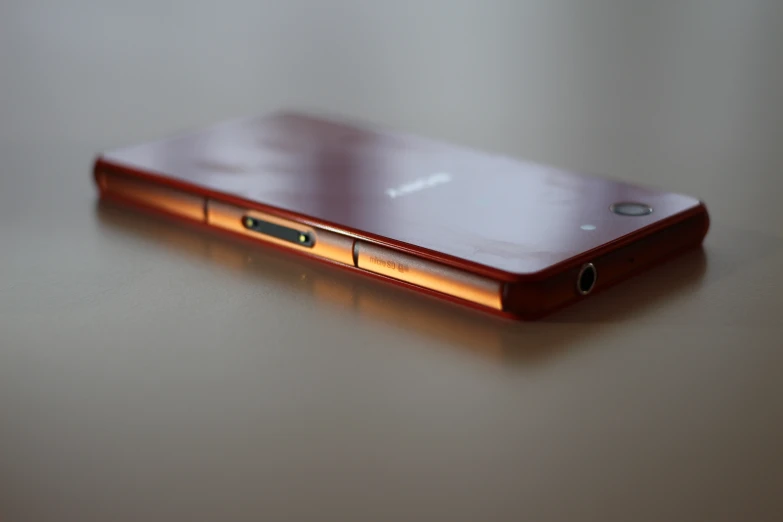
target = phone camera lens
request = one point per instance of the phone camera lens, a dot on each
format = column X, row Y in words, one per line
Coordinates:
column 631, row 209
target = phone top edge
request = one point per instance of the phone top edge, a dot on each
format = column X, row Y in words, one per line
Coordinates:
column 497, row 216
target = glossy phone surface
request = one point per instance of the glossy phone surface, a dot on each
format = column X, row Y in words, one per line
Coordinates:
column 505, row 221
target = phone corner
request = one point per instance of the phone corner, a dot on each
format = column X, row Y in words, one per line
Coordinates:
column 704, row 214
column 98, row 171
column 520, row 296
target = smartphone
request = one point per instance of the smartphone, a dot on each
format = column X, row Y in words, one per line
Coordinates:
column 495, row 233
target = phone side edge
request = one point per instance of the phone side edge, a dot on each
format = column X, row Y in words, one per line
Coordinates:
column 345, row 250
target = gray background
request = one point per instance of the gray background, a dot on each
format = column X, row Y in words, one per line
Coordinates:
column 151, row 372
